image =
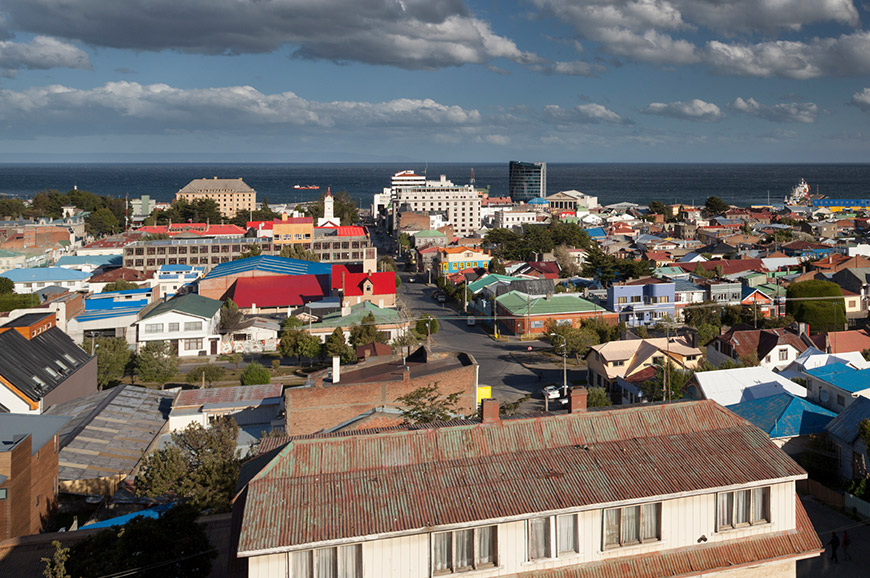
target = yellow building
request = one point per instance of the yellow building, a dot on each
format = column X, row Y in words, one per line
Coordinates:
column 293, row 230
column 232, row 196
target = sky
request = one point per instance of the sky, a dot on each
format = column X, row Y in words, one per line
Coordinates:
column 435, row 80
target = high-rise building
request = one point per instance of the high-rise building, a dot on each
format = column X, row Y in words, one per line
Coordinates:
column 527, row 181
column 460, row 204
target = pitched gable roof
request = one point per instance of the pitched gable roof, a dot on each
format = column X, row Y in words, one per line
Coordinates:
column 784, row 415
column 191, row 304
column 279, row 290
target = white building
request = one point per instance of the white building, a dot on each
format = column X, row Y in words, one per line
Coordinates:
column 509, row 218
column 173, row 278
column 190, row 323
column 575, row 495
column 730, row 386
column 571, row 201
column 461, row 203
column 32, row 279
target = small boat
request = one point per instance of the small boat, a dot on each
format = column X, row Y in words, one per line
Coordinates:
column 307, row 187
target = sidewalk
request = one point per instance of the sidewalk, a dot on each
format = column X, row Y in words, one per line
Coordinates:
column 826, row 520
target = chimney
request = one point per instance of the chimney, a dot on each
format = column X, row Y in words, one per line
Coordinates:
column 489, row 410
column 577, row 400
column 336, row 369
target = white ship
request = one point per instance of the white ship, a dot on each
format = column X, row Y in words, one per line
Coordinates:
column 799, row 195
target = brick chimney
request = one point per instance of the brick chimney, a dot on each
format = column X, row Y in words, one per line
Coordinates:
column 577, row 400
column 489, row 410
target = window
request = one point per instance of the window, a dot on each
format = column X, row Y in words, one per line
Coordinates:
column 841, row 401
column 742, row 508
column 173, row 327
column 193, row 326
column 621, row 300
column 783, row 354
column 2, row 493
column 566, row 535
column 339, row 562
column 153, row 328
column 539, row 538
column 464, row 550
column 631, row 525
column 192, row 344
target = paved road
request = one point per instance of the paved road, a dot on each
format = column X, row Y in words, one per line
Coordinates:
column 499, row 361
column 826, row 520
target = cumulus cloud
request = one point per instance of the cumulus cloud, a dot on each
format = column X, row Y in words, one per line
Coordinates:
column 413, row 34
column 802, row 112
column 573, row 68
column 40, row 53
column 862, row 100
column 695, row 109
column 159, row 107
column 582, row 114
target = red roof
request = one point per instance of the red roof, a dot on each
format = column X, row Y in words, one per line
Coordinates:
column 279, row 291
column 729, row 266
column 244, row 393
column 260, row 225
column 195, row 228
column 382, row 283
column 352, row 231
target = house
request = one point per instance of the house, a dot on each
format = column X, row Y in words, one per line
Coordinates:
column 609, row 362
column 354, row 288
column 28, row 472
column 30, row 279
column 731, row 386
column 788, row 420
column 836, row 386
column 518, row 313
column 111, row 314
column 99, row 281
column 253, row 335
column 843, row 341
column 91, row 263
column 843, row 434
column 539, row 270
column 456, row 259
column 176, row 278
column 293, row 231
column 376, row 382
column 107, row 433
column 40, row 366
column 11, row 260
column 758, row 302
column 642, row 302
column 773, row 348
column 189, row 323
column 807, row 251
column 493, row 497
column 812, row 358
column 388, row 320
column 276, row 294
column 686, row 294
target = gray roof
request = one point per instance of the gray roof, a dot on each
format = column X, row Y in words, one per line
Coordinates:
column 681, row 285
column 109, row 430
column 15, row 426
column 845, row 425
column 216, row 184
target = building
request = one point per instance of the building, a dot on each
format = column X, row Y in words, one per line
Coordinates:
column 527, row 181
column 773, row 348
column 578, row 495
column 460, row 203
column 571, row 201
column 837, row 385
column 349, row 392
column 388, row 321
column 740, row 384
column 40, row 366
column 232, row 196
column 642, row 302
column 787, row 419
column 457, row 259
column 32, row 279
column 519, row 313
column 11, row 260
column 28, row 472
column 111, row 314
column 843, row 433
column 514, row 218
column 293, row 231
column 172, row 279
column 219, row 282
column 189, row 323
column 354, row 288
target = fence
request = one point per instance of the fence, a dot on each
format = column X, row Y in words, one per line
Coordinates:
column 821, row 493
column 857, row 505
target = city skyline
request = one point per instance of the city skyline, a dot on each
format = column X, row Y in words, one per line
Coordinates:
column 444, row 80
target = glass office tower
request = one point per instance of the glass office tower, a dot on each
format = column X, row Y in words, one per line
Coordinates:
column 527, row 181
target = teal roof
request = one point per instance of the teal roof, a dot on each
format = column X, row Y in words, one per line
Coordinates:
column 784, row 415
column 383, row 316
column 278, row 265
column 771, row 289
column 668, row 271
column 4, row 254
column 429, row 233
column 520, row 304
column 489, row 279
column 192, row 304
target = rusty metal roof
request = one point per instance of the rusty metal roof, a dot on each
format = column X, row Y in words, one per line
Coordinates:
column 327, row 488
column 239, row 393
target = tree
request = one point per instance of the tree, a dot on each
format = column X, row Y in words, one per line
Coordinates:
column 657, row 208
column 174, row 544
column 426, row 325
column 296, row 251
column 599, row 266
column 155, row 363
column 231, row 317
column 101, row 222
column 715, row 206
column 234, row 358
column 182, row 211
column 426, row 405
column 120, row 286
column 309, row 346
column 209, row 373
column 654, row 389
column 113, row 356
column 336, row 346
column 55, row 567
column 289, row 346
column 255, row 374
column 817, row 303
column 366, row 332
column 253, row 250
column 7, row 286
column 566, row 261
column 496, row 266
column 386, row 263
column 201, row 464
column 597, row 397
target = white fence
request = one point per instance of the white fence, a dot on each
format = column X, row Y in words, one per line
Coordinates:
column 859, row 506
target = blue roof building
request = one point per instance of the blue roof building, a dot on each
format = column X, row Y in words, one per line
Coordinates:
column 843, row 433
column 784, row 415
column 277, row 265
column 30, row 279
column 837, row 385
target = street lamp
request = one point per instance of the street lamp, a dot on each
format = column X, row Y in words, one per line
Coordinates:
column 665, row 388
column 564, row 362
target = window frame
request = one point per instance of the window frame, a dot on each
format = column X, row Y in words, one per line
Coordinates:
column 314, row 560
column 605, row 546
column 732, row 525
column 476, row 564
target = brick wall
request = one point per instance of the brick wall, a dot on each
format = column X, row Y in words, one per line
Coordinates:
column 311, row 408
column 43, row 484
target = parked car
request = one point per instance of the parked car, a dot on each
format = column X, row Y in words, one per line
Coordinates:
column 410, row 279
column 441, row 297
column 551, row 392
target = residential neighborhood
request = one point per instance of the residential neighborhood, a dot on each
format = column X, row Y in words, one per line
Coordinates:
column 444, row 382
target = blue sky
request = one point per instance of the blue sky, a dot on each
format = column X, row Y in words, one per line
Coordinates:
column 435, row 80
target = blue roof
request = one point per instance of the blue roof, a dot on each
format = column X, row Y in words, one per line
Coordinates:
column 44, row 274
column 845, row 425
column 96, row 260
column 596, row 232
column 843, row 376
column 174, row 268
column 278, row 265
column 110, row 304
column 121, row 520
column 538, row 201
column 98, row 314
column 113, row 294
column 784, row 415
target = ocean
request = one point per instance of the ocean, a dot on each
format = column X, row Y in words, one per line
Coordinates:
column 739, row 184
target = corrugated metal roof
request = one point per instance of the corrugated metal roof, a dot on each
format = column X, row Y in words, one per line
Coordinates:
column 843, row 376
column 784, row 415
column 198, row 397
column 324, row 489
column 271, row 264
column 845, row 425
column 520, row 304
column 191, row 303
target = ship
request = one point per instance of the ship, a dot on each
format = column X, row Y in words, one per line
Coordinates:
column 799, row 195
column 307, row 187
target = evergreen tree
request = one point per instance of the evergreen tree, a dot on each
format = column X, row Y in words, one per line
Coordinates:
column 255, row 374
column 231, row 317
column 113, row 356
column 155, row 363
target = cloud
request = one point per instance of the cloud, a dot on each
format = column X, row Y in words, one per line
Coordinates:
column 130, row 106
column 802, row 112
column 39, row 54
column 582, row 114
column 413, row 34
column 695, row 109
column 573, row 68
column 862, row 100
column 741, row 16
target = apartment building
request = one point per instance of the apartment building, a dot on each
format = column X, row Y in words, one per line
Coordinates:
column 460, row 203
column 232, row 196
column 581, row 494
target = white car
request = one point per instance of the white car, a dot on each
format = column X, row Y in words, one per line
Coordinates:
column 551, row 392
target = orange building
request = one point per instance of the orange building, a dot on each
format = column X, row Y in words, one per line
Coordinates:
column 293, row 230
